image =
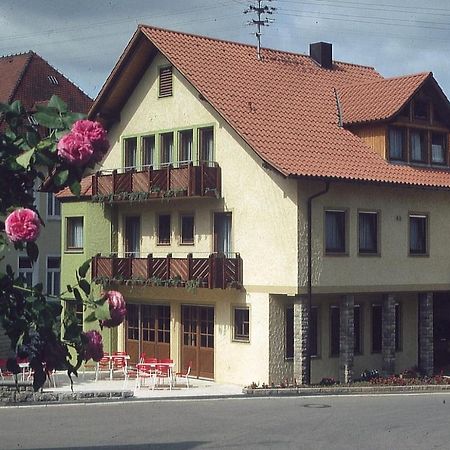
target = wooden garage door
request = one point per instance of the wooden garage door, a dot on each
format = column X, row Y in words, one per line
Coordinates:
column 148, row 331
column 198, row 339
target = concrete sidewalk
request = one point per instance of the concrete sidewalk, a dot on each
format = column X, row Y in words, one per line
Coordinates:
column 198, row 388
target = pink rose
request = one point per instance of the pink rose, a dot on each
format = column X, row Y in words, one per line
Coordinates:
column 75, row 149
column 93, row 346
column 22, row 225
column 117, row 309
column 96, row 134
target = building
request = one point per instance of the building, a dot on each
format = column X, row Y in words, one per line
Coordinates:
column 237, row 191
column 32, row 80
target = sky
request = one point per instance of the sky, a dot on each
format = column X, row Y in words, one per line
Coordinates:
column 83, row 39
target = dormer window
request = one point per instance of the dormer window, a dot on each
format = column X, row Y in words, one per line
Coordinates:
column 418, row 146
column 421, row 110
column 397, row 144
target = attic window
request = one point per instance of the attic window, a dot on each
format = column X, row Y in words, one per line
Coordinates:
column 421, row 110
column 53, row 80
column 165, row 81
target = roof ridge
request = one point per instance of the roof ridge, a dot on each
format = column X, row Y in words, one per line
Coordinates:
column 383, row 79
column 13, row 55
column 242, row 44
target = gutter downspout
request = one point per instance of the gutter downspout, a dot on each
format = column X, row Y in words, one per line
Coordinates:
column 309, row 303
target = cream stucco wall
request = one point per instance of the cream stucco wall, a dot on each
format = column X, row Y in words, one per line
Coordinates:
column 264, row 235
column 394, row 270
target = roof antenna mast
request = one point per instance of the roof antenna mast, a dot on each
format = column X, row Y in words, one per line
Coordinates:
column 260, row 9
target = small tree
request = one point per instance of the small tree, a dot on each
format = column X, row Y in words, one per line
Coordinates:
column 31, row 159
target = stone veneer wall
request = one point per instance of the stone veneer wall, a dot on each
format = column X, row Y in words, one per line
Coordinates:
column 426, row 349
column 279, row 367
column 388, row 334
column 346, row 339
column 300, row 340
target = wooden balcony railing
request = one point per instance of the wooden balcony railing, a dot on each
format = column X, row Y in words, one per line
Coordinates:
column 180, row 180
column 216, row 271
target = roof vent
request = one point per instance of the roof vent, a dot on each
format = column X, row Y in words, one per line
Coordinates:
column 321, row 52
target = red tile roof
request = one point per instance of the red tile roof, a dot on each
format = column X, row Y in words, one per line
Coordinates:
column 26, row 77
column 380, row 99
column 86, row 190
column 284, row 106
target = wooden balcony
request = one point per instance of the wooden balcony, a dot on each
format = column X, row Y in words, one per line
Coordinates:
column 180, row 180
column 216, row 271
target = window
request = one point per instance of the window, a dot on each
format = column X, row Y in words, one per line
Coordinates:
column 421, row 110
column 26, row 271
column 74, row 240
column 418, row 234
column 206, row 142
column 130, row 146
column 335, row 231
column 438, row 148
column 165, row 81
column 335, row 330
column 164, row 229
column 397, row 144
column 357, row 330
column 132, row 236
column 53, row 206
column 166, row 148
column 148, row 150
column 163, row 324
column 75, row 308
column 289, row 333
column 186, row 138
column 368, row 232
column 53, row 275
column 241, row 324
column 418, row 146
column 187, row 229
column 398, row 335
column 376, row 328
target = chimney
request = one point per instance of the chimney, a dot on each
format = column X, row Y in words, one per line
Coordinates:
column 321, row 53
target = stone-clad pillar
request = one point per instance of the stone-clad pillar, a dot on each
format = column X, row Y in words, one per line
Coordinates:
column 346, row 339
column 388, row 334
column 426, row 349
column 300, row 340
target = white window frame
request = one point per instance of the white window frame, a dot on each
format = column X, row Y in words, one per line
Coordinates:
column 52, row 271
column 51, row 200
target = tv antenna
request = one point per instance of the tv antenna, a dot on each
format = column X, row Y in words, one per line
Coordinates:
column 261, row 10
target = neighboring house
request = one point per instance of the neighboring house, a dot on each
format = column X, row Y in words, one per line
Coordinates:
column 268, row 183
column 29, row 78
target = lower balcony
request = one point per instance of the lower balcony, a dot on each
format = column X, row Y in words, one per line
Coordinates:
column 216, row 271
column 139, row 184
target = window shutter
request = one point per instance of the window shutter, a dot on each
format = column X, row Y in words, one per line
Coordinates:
column 165, row 82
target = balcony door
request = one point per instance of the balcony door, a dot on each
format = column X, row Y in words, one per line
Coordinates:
column 148, row 331
column 222, row 233
column 197, row 323
column 132, row 241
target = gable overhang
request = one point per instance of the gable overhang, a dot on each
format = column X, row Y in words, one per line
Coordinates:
column 126, row 74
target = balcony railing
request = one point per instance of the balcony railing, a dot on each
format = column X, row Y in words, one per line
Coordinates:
column 182, row 179
column 217, row 271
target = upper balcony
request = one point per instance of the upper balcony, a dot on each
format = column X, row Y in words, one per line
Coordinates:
column 216, row 271
column 183, row 179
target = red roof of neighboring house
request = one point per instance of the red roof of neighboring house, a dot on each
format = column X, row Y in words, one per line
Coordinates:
column 86, row 190
column 380, row 99
column 284, row 106
column 32, row 80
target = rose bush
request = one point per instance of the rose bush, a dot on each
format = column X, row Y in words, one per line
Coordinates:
column 41, row 331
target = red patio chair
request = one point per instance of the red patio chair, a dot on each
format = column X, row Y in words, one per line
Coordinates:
column 120, row 364
column 3, row 371
column 163, row 372
column 104, row 365
column 144, row 372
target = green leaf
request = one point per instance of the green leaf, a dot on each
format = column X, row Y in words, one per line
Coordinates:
column 69, row 288
column 61, row 177
column 4, row 107
column 56, row 102
column 16, row 107
column 48, row 120
column 91, row 317
column 75, row 188
column 32, row 138
column 102, row 312
column 84, row 268
column 85, row 286
column 70, row 118
column 32, row 251
column 25, row 158
column 77, row 295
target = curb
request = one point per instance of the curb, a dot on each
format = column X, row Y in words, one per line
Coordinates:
column 291, row 392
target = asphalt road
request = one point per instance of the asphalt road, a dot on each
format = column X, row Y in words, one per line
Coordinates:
column 377, row 422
